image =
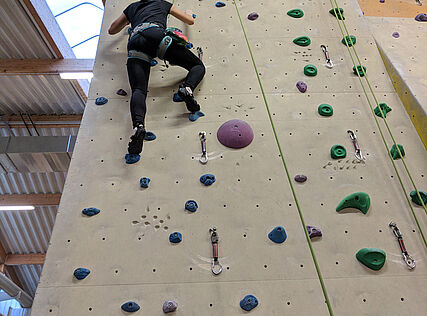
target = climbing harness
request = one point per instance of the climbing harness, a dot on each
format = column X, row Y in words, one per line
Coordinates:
column 408, row 259
column 215, row 261
column 204, row 158
column 358, row 151
column 200, row 53
column 329, row 63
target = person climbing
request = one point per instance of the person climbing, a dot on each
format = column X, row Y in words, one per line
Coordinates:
column 148, row 19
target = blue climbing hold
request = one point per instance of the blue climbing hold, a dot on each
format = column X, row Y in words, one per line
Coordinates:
column 189, row 45
column 101, row 101
column 143, row 182
column 81, row 273
column 175, row 237
column 248, row 303
column 278, row 235
column 149, row 136
column 130, row 307
column 132, row 158
column 194, row 116
column 220, row 4
column 90, row 211
column 191, row 206
column 154, row 63
column 207, row 179
column 194, row 16
column 177, row 98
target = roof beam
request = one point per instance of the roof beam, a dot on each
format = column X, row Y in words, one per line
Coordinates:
column 30, row 199
column 45, row 66
column 45, row 118
column 16, row 260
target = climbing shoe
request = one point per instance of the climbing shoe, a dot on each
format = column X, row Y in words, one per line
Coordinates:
column 136, row 140
column 187, row 95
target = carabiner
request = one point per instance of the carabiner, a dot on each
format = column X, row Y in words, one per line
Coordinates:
column 204, row 158
column 215, row 261
column 408, row 259
column 358, row 151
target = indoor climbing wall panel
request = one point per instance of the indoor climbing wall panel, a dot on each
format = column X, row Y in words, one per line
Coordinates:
column 252, row 69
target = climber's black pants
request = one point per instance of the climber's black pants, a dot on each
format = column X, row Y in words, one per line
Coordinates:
column 139, row 70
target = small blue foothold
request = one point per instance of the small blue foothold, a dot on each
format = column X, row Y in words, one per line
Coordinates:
column 101, row 101
column 132, row 158
column 177, row 98
column 154, row 63
column 81, row 273
column 90, row 211
column 175, row 237
column 248, row 303
column 220, row 4
column 207, row 179
column 278, row 235
column 189, row 45
column 143, row 182
column 149, row 136
column 130, row 307
column 191, row 206
column 194, row 16
column 194, row 116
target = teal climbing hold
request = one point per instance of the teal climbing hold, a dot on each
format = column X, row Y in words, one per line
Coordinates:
column 416, row 199
column 358, row 200
column 359, row 69
column 395, row 153
column 130, row 307
column 90, row 211
column 384, row 108
column 325, row 110
column 337, row 14
column 310, row 70
column 175, row 237
column 191, row 206
column 81, row 273
column 132, row 158
column 350, row 40
column 373, row 258
column 302, row 41
column 295, row 13
column 143, row 182
column 338, row 152
column 278, row 235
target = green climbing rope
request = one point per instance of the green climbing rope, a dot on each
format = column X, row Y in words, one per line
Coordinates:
column 310, row 245
column 385, row 121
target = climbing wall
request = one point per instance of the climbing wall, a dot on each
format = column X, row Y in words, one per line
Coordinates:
column 252, row 70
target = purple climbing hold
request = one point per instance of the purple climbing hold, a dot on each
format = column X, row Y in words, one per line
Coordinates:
column 235, row 134
column 395, row 34
column 169, row 306
column 253, row 16
column 422, row 17
column 121, row 92
column 302, row 86
column 382, row 1
column 300, row 178
column 313, row 231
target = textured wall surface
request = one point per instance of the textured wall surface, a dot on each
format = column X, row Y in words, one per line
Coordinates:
column 252, row 70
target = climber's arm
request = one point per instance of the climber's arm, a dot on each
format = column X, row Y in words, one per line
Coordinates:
column 186, row 17
column 118, row 24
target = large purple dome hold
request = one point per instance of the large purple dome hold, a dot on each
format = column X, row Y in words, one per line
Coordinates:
column 235, row 134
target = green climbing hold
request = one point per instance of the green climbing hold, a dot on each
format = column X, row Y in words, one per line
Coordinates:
column 350, row 40
column 359, row 69
column 395, row 153
column 338, row 152
column 310, row 70
column 337, row 14
column 384, row 108
column 302, row 41
column 295, row 13
column 359, row 200
column 325, row 110
column 416, row 199
column 373, row 258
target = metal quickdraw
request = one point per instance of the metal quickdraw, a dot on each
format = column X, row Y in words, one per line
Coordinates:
column 358, row 151
column 204, row 158
column 408, row 259
column 215, row 261
column 329, row 63
column 200, row 53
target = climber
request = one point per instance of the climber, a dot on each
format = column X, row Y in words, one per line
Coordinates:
column 148, row 19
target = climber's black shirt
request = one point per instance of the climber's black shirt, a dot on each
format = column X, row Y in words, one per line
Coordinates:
column 148, row 11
